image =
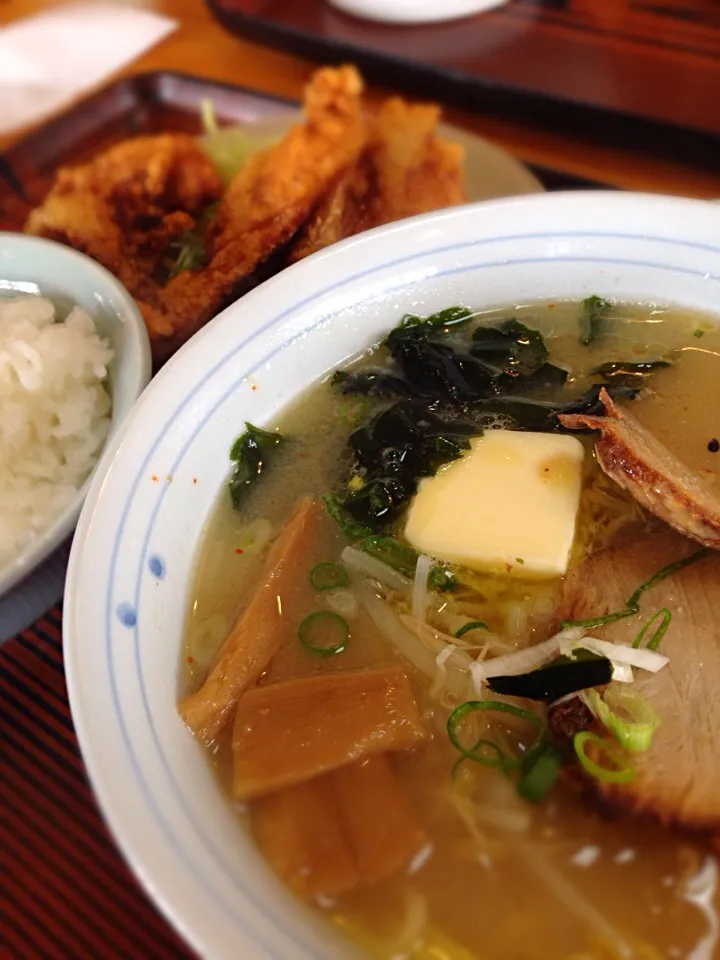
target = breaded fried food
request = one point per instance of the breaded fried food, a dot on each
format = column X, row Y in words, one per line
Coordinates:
column 406, row 170
column 265, row 205
column 152, row 209
column 126, row 205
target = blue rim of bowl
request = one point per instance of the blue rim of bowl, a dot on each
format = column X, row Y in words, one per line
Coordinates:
column 220, row 895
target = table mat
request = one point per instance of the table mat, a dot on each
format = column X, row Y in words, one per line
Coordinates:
column 66, row 894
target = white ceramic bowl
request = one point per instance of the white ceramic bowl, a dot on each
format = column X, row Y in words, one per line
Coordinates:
column 134, row 550
column 30, row 265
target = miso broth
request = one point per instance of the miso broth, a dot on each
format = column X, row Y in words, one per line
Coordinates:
column 499, row 878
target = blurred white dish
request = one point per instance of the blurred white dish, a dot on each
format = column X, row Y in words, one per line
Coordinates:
column 134, row 552
column 415, row 11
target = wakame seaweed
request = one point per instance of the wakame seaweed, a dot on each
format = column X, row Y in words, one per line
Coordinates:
column 555, row 680
column 444, row 384
column 400, row 556
column 592, row 319
column 394, row 450
column 615, row 369
column 249, row 453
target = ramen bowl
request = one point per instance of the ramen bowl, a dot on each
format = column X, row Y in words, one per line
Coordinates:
column 132, row 564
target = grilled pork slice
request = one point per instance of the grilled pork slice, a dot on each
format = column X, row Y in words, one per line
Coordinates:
column 642, row 465
column 678, row 779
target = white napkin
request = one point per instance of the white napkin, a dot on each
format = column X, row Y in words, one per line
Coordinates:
column 47, row 60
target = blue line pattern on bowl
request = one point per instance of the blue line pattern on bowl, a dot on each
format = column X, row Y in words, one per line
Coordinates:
column 126, row 614
column 176, row 841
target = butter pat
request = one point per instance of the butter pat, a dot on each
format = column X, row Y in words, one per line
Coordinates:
column 508, row 505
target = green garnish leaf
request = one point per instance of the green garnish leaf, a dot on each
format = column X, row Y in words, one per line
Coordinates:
column 612, row 766
column 187, row 252
column 328, row 576
column 399, row 556
column 699, row 333
column 472, row 625
column 487, row 752
column 249, row 453
column 593, row 318
column 350, row 527
column 633, row 602
column 539, row 777
column 229, row 148
column 626, row 714
column 654, row 642
column 436, row 322
column 324, row 633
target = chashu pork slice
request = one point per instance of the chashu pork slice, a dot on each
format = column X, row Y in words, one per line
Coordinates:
column 678, row 779
column 643, row 466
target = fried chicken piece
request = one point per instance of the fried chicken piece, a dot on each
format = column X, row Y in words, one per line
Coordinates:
column 82, row 219
column 406, row 170
column 346, row 209
column 417, row 171
column 265, row 204
column 336, row 174
column 126, row 205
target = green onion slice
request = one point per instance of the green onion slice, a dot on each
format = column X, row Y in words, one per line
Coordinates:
column 654, row 642
column 328, row 576
column 324, row 632
column 633, row 602
column 487, row 752
column 472, row 625
column 627, row 715
column 539, row 776
column 618, row 768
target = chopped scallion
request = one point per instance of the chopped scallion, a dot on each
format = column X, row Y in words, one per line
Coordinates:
column 633, row 603
column 626, row 714
column 324, row 632
column 619, row 770
column 328, row 576
column 654, row 642
column 539, row 778
column 487, row 752
column 472, row 625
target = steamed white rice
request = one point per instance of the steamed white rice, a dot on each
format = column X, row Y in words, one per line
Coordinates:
column 54, row 414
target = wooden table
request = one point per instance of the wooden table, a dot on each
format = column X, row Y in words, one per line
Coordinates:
column 67, row 895
column 201, row 46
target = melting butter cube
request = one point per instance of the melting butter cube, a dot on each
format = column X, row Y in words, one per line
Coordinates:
column 508, row 505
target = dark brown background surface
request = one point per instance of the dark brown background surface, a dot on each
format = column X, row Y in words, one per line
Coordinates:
column 658, row 59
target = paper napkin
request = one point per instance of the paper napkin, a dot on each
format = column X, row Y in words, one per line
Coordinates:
column 47, row 60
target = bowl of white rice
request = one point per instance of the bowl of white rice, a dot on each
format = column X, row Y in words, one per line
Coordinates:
column 74, row 357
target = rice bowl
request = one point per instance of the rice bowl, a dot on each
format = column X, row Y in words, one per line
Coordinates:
column 83, row 374
column 56, row 414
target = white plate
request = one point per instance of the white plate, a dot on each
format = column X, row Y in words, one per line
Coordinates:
column 133, row 553
column 415, row 11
